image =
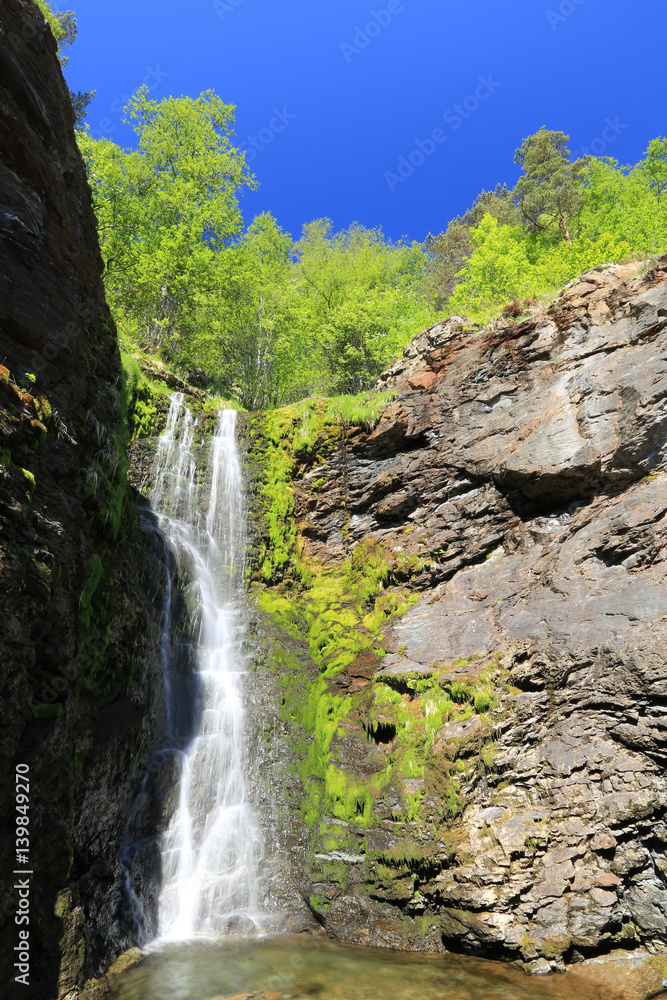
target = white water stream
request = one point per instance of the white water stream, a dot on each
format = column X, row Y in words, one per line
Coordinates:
column 211, row 849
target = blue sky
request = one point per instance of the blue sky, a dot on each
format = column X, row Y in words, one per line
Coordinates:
column 349, row 108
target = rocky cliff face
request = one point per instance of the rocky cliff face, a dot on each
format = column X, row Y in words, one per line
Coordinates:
column 81, row 579
column 486, row 765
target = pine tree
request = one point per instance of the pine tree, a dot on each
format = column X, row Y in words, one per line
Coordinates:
column 549, row 192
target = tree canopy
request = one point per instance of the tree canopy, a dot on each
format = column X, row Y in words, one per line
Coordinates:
column 548, row 192
column 255, row 315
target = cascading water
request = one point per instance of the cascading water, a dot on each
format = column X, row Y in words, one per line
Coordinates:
column 210, row 851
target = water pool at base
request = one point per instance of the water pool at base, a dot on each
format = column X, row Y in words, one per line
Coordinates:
column 299, row 967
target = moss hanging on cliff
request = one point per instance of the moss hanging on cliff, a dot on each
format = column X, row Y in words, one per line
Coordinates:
column 340, row 611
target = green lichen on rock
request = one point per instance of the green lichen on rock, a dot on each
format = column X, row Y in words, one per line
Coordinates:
column 373, row 746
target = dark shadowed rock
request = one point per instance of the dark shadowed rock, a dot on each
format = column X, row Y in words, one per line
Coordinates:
column 81, row 579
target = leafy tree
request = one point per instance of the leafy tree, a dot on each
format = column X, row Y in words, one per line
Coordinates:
column 655, row 165
column 356, row 287
column 549, row 192
column 168, row 208
column 496, row 269
column 449, row 251
column 623, row 201
column 243, row 338
column 509, row 262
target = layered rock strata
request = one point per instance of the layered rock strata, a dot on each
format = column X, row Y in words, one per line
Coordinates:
column 510, row 734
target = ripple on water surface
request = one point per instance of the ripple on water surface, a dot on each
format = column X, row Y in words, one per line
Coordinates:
column 300, row 968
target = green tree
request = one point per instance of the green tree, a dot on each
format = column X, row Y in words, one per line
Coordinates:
column 624, row 200
column 655, row 165
column 496, row 270
column 449, row 251
column 168, row 208
column 510, row 262
column 244, row 340
column 356, row 289
column 549, row 192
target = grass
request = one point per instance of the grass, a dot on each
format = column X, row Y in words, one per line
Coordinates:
column 314, row 416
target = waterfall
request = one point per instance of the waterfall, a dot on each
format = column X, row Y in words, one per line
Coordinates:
column 211, row 848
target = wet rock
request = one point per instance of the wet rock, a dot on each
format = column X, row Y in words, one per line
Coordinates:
column 126, row 961
column 634, row 975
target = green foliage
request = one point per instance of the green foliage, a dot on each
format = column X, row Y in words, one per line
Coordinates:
column 64, row 29
column 626, row 201
column 508, row 263
column 560, row 220
column 286, row 320
column 449, row 251
column 482, row 702
column 251, row 315
column 548, row 192
column 167, row 209
column 62, row 25
column 256, row 317
column 360, row 292
column 655, row 166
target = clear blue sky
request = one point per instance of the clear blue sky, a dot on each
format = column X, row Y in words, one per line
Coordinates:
column 351, row 103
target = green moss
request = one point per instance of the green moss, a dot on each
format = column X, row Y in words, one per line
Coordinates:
column 406, row 856
column 339, row 612
column 29, row 480
column 42, row 408
column 534, row 844
column 488, row 754
column 145, row 401
column 313, row 419
column 348, row 798
column 482, row 702
column 92, row 575
column 554, row 947
column 318, row 905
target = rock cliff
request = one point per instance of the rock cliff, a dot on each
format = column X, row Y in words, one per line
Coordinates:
column 486, row 765
column 81, row 578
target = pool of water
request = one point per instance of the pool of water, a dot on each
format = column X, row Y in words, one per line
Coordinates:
column 300, row 968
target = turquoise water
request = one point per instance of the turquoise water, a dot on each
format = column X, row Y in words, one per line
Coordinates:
column 300, row 968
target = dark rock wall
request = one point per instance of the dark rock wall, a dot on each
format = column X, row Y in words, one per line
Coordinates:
column 81, row 578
